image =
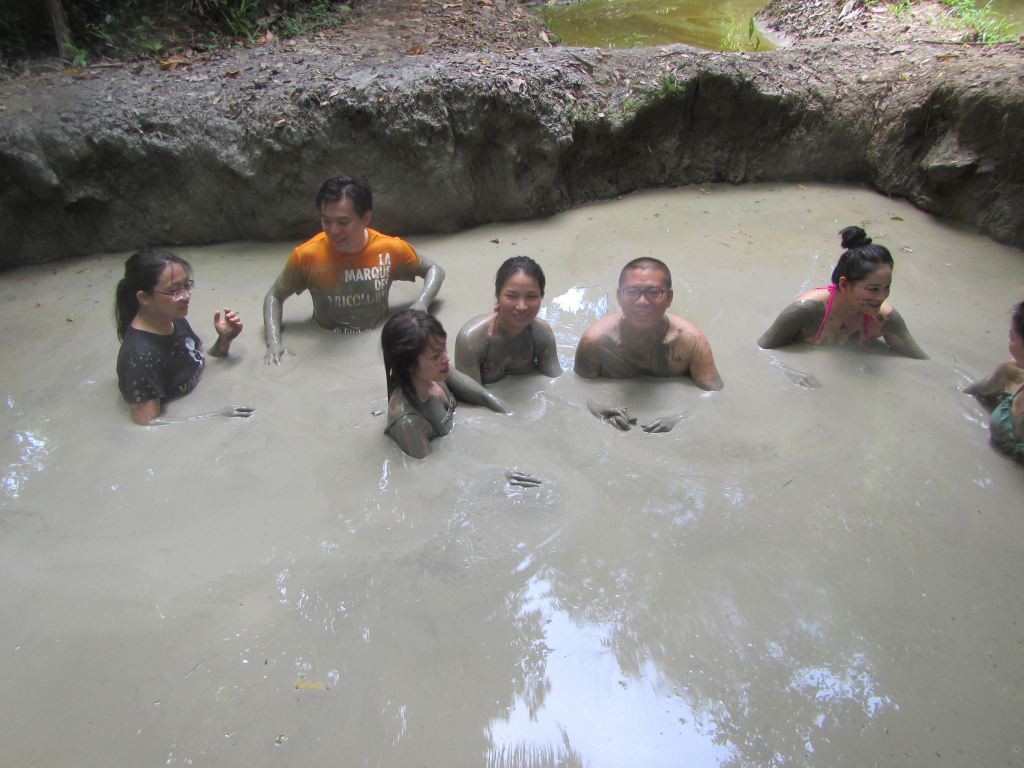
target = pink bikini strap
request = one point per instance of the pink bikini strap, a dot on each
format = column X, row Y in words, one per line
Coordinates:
column 828, row 310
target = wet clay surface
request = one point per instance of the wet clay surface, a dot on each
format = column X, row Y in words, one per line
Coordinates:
column 791, row 576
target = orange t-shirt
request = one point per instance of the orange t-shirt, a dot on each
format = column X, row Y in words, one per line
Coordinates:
column 349, row 290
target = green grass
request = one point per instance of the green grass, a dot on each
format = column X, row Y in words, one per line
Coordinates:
column 988, row 26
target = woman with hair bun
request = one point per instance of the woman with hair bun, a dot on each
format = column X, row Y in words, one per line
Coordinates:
column 853, row 309
column 511, row 339
column 161, row 357
column 420, row 404
column 1003, row 392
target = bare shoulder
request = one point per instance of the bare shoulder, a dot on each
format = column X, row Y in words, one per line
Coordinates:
column 605, row 328
column 682, row 330
column 476, row 327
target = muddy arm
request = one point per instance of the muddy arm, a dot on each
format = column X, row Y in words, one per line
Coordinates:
column 469, row 350
column 470, row 391
column 703, row 371
column 800, row 317
column 896, row 335
column 433, row 276
column 272, row 309
column 546, row 349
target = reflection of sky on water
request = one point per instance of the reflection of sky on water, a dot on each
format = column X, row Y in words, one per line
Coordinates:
column 590, row 712
column 852, row 684
column 562, row 314
column 32, row 453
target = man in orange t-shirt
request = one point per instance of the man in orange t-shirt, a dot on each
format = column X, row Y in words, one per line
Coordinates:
column 348, row 268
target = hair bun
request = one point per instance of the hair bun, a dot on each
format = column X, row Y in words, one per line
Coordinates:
column 853, row 237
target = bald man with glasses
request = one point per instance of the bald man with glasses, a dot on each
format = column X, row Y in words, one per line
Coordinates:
column 645, row 339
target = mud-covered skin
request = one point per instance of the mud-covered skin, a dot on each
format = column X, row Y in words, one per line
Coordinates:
column 487, row 353
column 618, row 416
column 611, row 348
column 800, row 320
column 413, row 423
column 522, row 479
column 1006, row 380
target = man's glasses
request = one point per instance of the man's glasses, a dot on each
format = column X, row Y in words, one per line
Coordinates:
column 651, row 294
column 180, row 293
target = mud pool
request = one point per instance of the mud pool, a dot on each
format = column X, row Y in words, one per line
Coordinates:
column 791, row 577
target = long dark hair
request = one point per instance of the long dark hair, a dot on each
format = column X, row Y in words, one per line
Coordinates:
column 860, row 258
column 141, row 273
column 517, row 264
column 1017, row 318
column 402, row 340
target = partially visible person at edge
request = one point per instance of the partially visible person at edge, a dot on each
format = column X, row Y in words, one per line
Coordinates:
column 421, row 404
column 644, row 338
column 853, row 309
column 161, row 357
column 511, row 339
column 1003, row 392
column 348, row 268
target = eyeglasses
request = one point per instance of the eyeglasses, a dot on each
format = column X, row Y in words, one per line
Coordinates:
column 180, row 293
column 651, row 294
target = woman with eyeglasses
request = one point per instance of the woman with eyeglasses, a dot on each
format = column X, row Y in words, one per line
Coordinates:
column 511, row 339
column 161, row 357
column 853, row 309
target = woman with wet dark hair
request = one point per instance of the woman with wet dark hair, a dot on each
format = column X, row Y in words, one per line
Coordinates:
column 161, row 357
column 1003, row 392
column 853, row 309
column 510, row 339
column 420, row 404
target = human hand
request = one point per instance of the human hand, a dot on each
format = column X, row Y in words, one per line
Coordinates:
column 662, row 423
column 522, row 479
column 227, row 324
column 616, row 415
column 239, row 411
column 275, row 353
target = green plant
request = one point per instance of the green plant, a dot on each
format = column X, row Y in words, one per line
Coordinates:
column 669, row 84
column 236, row 17
column 898, row 8
column 988, row 26
column 81, row 57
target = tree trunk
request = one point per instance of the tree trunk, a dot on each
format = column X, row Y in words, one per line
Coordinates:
column 61, row 31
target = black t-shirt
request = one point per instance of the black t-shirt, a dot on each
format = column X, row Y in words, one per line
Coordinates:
column 155, row 367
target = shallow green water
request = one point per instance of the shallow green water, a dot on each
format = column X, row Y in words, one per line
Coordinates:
column 723, row 26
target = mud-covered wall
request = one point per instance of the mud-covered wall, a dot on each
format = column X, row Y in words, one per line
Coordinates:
column 117, row 162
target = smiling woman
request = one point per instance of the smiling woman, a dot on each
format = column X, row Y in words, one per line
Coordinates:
column 854, row 308
column 161, row 356
column 511, row 339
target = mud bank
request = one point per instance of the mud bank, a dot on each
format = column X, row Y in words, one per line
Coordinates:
column 235, row 147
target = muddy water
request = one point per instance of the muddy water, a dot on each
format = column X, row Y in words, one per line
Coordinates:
column 790, row 577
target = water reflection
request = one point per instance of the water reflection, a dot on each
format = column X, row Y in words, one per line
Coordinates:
column 580, row 707
column 32, row 452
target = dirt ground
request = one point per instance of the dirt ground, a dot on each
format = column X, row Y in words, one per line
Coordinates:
column 384, row 31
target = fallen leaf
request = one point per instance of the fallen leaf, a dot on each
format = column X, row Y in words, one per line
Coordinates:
column 495, row 241
column 415, row 50
column 173, row 62
column 310, row 685
column 897, row 218
column 231, row 73
column 279, row 123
